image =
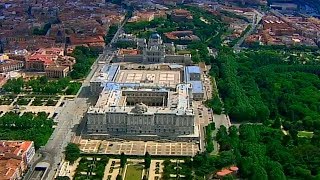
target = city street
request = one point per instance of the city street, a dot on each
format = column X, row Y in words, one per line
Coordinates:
column 69, row 119
column 254, row 24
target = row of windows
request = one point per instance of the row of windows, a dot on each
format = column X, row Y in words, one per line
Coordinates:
column 140, row 131
column 143, row 94
column 143, row 122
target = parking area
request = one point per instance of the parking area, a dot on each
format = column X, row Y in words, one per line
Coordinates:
column 139, row 147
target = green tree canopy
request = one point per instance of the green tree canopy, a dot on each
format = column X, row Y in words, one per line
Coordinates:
column 72, row 152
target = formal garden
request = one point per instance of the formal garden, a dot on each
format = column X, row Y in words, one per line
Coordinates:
column 176, row 169
column 91, row 168
column 45, row 100
column 7, row 99
column 124, row 167
column 42, row 86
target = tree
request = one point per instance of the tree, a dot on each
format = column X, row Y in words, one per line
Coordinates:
column 123, row 160
column 147, row 160
column 215, row 104
column 277, row 174
column 43, row 80
column 228, row 177
column 222, row 133
column 72, row 152
column 277, row 123
column 85, row 57
column 14, row 85
column 259, row 173
column 119, row 177
column 26, row 127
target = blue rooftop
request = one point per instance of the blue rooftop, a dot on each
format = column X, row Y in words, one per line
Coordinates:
column 111, row 71
column 193, row 69
column 196, row 86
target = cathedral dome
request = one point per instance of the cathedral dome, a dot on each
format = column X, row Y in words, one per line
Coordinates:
column 140, row 108
column 155, row 36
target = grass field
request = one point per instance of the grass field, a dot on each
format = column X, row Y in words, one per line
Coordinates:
column 134, row 172
column 305, row 134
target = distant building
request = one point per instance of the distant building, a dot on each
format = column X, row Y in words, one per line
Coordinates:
column 179, row 15
column 142, row 16
column 57, row 71
column 7, row 64
column 4, row 57
column 284, row 6
column 15, row 157
column 90, row 41
column 152, row 52
column 182, row 35
column 52, row 61
column 10, row 65
column 42, row 58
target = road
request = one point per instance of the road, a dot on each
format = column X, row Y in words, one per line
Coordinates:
column 69, row 119
column 254, row 24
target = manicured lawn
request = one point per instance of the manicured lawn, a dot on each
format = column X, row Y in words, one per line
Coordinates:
column 305, row 134
column 134, row 172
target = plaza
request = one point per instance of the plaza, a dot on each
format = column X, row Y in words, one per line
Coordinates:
column 137, row 147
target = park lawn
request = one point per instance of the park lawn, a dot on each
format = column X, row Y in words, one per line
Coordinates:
column 305, row 134
column 134, row 172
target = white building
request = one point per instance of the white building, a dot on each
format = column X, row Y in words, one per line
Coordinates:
column 142, row 104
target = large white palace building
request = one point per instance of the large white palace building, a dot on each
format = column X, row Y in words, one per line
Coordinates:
column 148, row 103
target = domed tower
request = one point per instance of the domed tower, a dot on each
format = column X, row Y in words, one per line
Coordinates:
column 155, row 40
column 155, row 52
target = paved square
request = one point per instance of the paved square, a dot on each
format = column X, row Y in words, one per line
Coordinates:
column 138, row 147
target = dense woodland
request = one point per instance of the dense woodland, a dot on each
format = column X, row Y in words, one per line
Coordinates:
column 279, row 89
column 262, row 152
column 259, row 86
column 33, row 127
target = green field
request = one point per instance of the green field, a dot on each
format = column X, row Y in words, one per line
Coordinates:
column 134, row 172
column 305, row 134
